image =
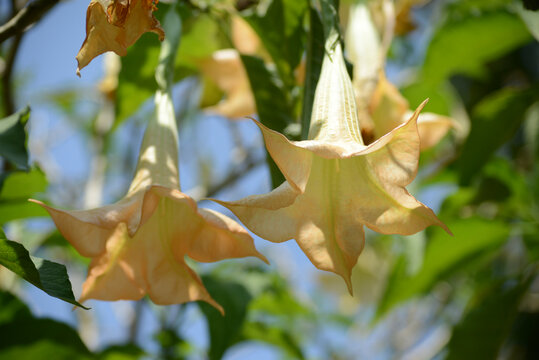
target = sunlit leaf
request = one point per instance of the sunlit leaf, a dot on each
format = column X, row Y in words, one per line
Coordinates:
column 494, row 121
column 26, row 337
column 273, row 335
column 453, row 51
column 13, row 138
column 18, row 188
column 44, row 274
column 315, row 55
column 201, row 36
column 272, row 102
column 224, row 330
column 442, row 256
column 122, row 352
column 285, row 40
column 482, row 331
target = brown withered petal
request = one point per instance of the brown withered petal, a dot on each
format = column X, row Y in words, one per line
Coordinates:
column 114, row 25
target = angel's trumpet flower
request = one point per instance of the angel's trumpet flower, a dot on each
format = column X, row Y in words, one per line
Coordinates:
column 114, row 25
column 225, row 68
column 389, row 109
column 335, row 184
column 138, row 245
column 381, row 106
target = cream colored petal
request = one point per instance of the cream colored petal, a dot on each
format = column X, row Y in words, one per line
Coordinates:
column 220, row 238
column 343, row 190
column 149, row 258
column 329, row 230
column 133, row 267
column 225, row 68
column 394, row 157
column 384, row 207
column 387, row 107
column 237, row 105
column 389, row 168
column 293, row 161
column 364, row 46
column 432, row 128
column 294, row 158
column 110, row 277
column 267, row 215
column 88, row 230
column 114, row 26
column 244, row 38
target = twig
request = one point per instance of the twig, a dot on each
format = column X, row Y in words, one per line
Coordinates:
column 135, row 321
column 27, row 16
column 249, row 164
column 8, row 100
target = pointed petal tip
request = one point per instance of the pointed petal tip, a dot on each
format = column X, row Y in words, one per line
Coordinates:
column 215, row 304
column 349, row 286
column 36, row 202
column 348, row 281
column 262, row 257
column 444, row 226
column 78, row 72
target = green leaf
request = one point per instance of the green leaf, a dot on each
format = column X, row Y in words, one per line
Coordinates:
column 313, row 66
column 280, row 27
column 18, row 188
column 275, row 316
column 443, row 255
column 46, row 275
column 27, row 337
column 454, row 50
column 122, row 352
column 484, row 328
column 21, row 185
column 273, row 106
column 11, row 308
column 330, row 16
column 136, row 82
column 272, row 103
column 200, row 38
column 279, row 337
column 13, row 138
column 495, row 120
column 224, row 330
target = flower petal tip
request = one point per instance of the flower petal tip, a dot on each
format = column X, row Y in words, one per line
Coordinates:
column 215, row 304
column 444, row 226
column 348, row 281
column 263, row 258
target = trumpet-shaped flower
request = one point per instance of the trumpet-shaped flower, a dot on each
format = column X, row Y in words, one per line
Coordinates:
column 226, row 70
column 114, row 25
column 389, row 109
column 382, row 107
column 138, row 245
column 335, row 184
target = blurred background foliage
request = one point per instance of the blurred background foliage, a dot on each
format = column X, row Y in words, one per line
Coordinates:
column 471, row 296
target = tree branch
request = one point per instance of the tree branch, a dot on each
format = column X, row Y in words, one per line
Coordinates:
column 26, row 17
column 8, row 100
column 200, row 192
column 233, row 176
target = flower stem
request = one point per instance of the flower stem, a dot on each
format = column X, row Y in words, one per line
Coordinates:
column 158, row 157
